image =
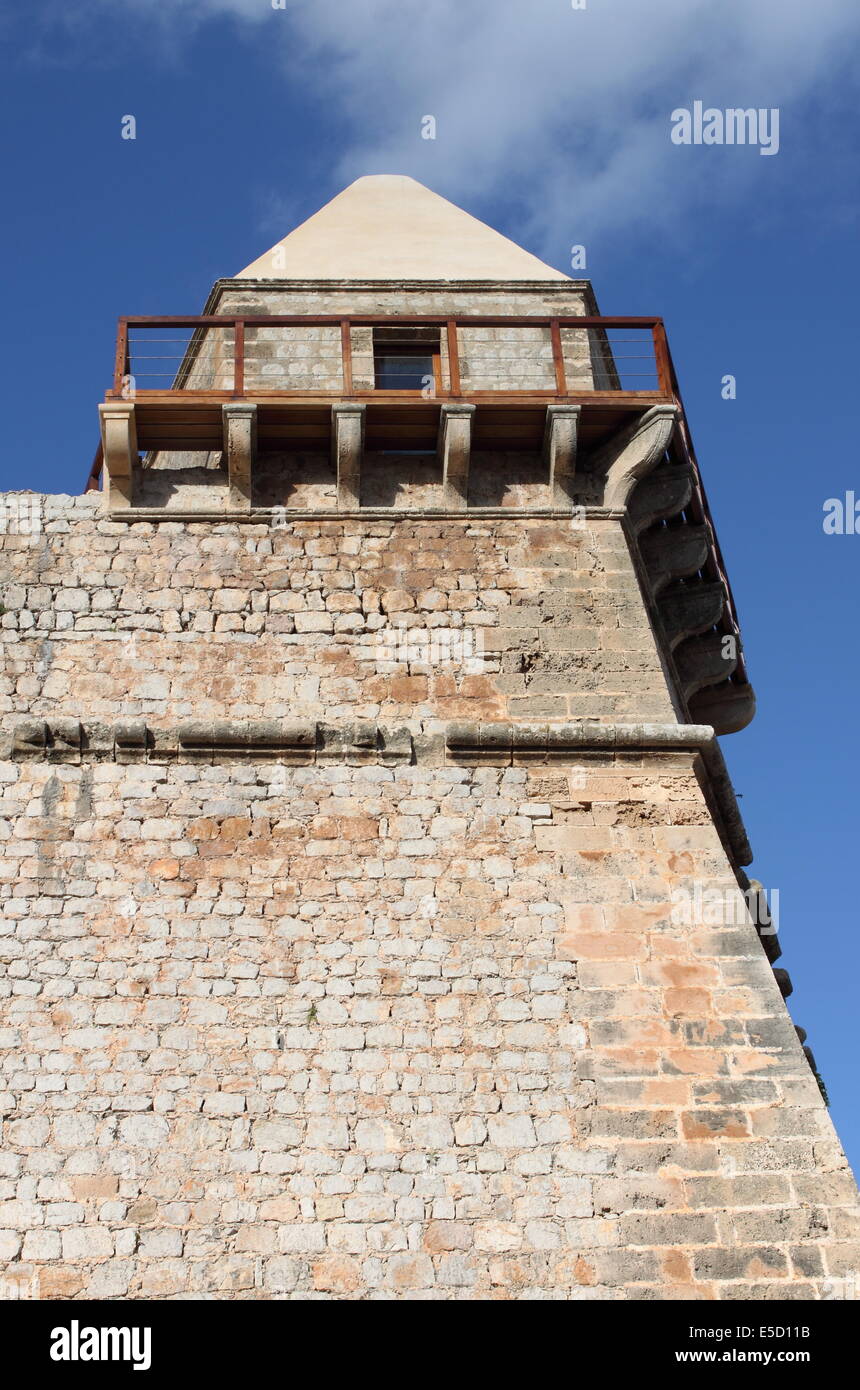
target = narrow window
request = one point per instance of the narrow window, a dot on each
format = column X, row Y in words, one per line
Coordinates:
column 406, row 359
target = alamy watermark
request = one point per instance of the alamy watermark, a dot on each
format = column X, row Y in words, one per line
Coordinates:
column 707, row 125
column 841, row 516
column 20, row 515
column 77, row 1343
column 703, row 905
column 460, row 649
column 13, row 1290
column 845, row 1287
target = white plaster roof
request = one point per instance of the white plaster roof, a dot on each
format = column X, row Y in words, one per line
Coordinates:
column 390, row 227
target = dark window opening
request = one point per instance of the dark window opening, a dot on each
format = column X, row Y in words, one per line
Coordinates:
column 406, row 361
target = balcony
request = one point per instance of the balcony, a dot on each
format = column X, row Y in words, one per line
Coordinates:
column 589, row 406
column 179, row 372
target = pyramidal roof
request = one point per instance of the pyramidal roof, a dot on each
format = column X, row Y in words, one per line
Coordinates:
column 389, row 227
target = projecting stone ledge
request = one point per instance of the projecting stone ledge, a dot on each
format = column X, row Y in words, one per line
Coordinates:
column 60, row 741
column 673, row 553
column 504, row 743
column 119, row 442
column 559, row 451
column 288, row 741
column 347, row 443
column 689, row 610
column 633, row 453
column 454, row 448
column 240, row 451
column 729, row 706
column 664, row 493
column 704, row 661
column 431, row 743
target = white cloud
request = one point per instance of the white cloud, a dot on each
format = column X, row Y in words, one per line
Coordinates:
column 562, row 112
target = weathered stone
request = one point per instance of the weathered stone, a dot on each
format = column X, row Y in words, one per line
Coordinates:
column 340, row 941
column 673, row 552
column 240, row 451
column 690, row 609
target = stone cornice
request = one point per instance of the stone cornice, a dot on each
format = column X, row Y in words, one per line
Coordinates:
column 574, row 288
column 434, row 742
column 261, row 515
column 487, row 286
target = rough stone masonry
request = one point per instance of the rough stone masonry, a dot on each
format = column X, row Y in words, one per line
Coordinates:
column 341, row 963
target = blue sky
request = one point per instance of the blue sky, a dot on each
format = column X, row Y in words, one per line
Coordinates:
column 552, row 125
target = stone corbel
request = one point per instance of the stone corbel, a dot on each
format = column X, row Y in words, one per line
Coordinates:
column 240, row 449
column 633, row 453
column 559, row 451
column 347, row 444
column 704, row 661
column 665, row 493
column 673, row 552
column 689, row 610
column 729, row 707
column 119, row 442
column 454, row 449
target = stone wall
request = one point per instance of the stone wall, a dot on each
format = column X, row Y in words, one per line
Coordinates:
column 187, row 481
column 352, row 1026
column 400, row 1032
column 542, row 619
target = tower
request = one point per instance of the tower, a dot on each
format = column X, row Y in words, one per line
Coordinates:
column 375, row 914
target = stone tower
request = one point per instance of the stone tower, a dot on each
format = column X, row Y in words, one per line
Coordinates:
column 374, row 916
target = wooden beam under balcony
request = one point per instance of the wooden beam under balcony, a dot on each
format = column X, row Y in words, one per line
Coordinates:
column 516, row 422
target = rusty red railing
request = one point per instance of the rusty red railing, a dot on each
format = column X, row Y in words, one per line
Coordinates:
column 160, row 357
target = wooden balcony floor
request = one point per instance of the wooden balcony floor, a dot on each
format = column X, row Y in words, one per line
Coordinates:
column 182, row 420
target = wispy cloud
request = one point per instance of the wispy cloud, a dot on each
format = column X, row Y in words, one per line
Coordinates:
column 563, row 112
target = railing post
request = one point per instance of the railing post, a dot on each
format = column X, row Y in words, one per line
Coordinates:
column 346, row 355
column 661, row 358
column 558, row 358
column 121, row 358
column 239, row 357
column 453, row 357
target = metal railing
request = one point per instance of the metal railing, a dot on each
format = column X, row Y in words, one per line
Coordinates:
column 309, row 356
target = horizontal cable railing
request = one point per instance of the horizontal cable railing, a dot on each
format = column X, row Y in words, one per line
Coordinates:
column 327, row 355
